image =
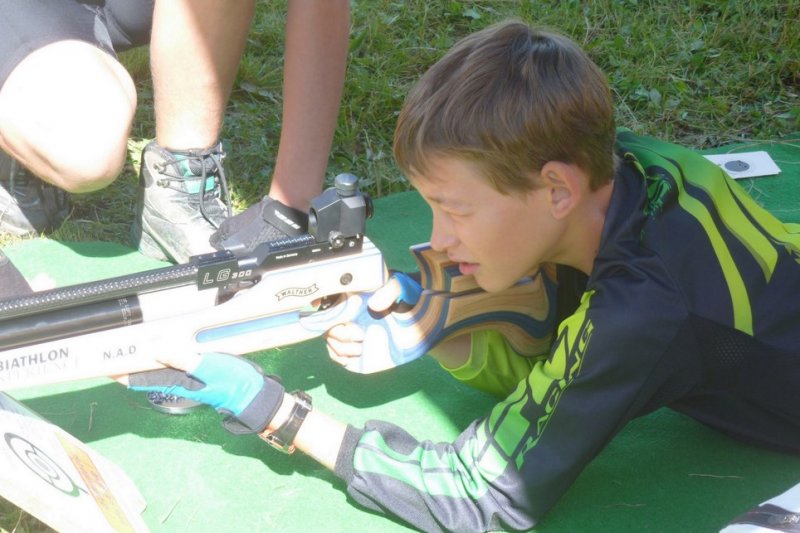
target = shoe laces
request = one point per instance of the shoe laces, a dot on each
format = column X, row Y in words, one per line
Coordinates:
column 197, row 161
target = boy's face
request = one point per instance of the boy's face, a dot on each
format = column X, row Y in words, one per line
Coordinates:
column 495, row 237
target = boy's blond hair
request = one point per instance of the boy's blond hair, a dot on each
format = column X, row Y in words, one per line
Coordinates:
column 510, row 98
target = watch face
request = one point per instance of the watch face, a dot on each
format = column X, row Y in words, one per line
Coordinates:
column 171, row 404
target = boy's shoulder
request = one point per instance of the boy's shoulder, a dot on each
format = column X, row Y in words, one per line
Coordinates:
column 655, row 158
column 651, row 149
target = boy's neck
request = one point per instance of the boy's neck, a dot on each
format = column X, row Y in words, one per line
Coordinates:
column 586, row 229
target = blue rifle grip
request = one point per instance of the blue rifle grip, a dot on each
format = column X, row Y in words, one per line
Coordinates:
column 383, row 333
column 410, row 290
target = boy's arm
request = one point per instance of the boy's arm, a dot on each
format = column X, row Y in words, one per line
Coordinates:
column 470, row 484
column 486, row 361
column 453, row 353
column 508, row 468
column 259, row 404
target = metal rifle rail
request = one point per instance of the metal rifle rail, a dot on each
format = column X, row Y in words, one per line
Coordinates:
column 96, row 291
column 336, row 225
column 198, row 270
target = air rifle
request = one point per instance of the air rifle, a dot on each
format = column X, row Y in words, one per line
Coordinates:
column 283, row 292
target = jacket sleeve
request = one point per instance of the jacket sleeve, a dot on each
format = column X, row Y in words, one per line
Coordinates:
column 506, row 470
column 493, row 366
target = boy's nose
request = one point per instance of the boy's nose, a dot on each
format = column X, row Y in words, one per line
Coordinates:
column 441, row 236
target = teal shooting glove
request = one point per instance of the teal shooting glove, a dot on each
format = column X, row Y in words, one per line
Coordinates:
column 230, row 384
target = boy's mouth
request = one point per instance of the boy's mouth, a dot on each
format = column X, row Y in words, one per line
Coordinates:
column 467, row 269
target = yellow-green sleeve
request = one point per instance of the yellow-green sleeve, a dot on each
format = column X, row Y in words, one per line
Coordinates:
column 493, row 366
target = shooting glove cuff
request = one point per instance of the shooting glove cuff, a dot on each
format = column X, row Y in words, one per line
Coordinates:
column 259, row 413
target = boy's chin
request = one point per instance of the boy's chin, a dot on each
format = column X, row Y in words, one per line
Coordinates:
column 492, row 284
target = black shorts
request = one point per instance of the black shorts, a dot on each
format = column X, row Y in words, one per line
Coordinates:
column 111, row 25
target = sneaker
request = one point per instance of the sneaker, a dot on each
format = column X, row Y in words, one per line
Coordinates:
column 183, row 199
column 28, row 205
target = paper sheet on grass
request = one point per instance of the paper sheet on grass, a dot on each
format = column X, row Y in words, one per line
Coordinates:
column 59, row 480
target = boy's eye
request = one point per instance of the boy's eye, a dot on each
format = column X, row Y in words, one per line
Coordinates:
column 459, row 214
column 455, row 209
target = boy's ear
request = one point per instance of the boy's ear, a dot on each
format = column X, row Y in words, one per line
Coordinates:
column 563, row 182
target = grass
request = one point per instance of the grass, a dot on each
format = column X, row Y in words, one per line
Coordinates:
column 701, row 73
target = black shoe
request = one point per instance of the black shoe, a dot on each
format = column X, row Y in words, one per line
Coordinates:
column 28, row 205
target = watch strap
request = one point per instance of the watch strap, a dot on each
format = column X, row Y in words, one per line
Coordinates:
column 283, row 437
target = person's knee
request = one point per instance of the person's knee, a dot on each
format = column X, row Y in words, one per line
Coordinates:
column 86, row 167
column 72, row 133
column 93, row 159
column 76, row 162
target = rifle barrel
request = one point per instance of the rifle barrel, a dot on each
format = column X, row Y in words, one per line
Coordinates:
column 61, row 323
column 98, row 291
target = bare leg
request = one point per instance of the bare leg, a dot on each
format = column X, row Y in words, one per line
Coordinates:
column 198, row 53
column 66, row 112
column 316, row 56
column 195, row 51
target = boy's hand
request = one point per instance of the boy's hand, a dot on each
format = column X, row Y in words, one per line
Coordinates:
column 230, row 384
column 346, row 341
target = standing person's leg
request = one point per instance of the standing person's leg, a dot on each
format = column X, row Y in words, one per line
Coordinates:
column 317, row 40
column 195, row 50
column 66, row 106
column 317, row 36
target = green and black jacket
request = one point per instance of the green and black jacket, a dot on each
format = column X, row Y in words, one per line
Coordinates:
column 693, row 303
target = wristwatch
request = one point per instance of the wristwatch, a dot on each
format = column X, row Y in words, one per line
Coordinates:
column 283, row 437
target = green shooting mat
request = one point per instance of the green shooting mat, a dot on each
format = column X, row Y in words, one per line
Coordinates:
column 664, row 472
